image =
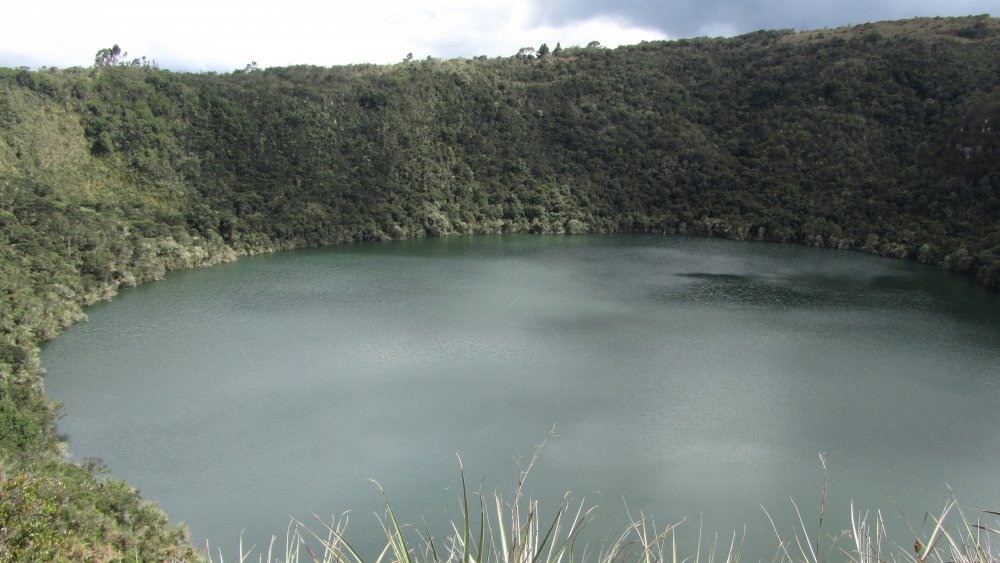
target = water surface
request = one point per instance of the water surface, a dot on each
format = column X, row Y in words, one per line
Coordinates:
column 688, row 377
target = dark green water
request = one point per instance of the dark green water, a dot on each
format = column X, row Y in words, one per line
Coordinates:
column 689, row 377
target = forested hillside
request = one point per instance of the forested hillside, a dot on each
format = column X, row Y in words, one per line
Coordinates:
column 881, row 138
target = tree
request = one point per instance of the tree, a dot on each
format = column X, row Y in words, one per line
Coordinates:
column 526, row 53
column 594, row 45
column 543, row 50
column 109, row 56
column 114, row 56
column 558, row 50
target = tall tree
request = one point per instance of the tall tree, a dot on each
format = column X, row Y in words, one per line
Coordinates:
column 109, row 56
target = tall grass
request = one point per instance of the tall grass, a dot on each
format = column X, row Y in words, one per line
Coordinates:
column 498, row 531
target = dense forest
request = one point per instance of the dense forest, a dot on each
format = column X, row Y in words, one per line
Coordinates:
column 881, row 138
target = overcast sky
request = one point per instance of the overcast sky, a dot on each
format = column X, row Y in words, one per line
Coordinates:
column 197, row 35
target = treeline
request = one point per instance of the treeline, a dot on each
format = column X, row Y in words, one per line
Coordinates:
column 880, row 138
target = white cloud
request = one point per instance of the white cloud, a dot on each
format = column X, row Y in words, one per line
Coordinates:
column 206, row 35
column 224, row 35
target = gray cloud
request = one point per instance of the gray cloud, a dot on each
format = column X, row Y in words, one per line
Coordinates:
column 689, row 18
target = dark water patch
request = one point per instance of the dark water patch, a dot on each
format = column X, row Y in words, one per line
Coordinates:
column 751, row 291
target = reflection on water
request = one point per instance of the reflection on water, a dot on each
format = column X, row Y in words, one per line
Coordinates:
column 688, row 377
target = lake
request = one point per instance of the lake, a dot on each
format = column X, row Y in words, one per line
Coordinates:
column 688, row 377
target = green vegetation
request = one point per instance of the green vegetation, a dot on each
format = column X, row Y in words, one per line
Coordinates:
column 881, row 138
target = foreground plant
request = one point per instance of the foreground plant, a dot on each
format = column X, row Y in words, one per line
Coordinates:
column 515, row 532
column 503, row 532
column 964, row 542
column 868, row 542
